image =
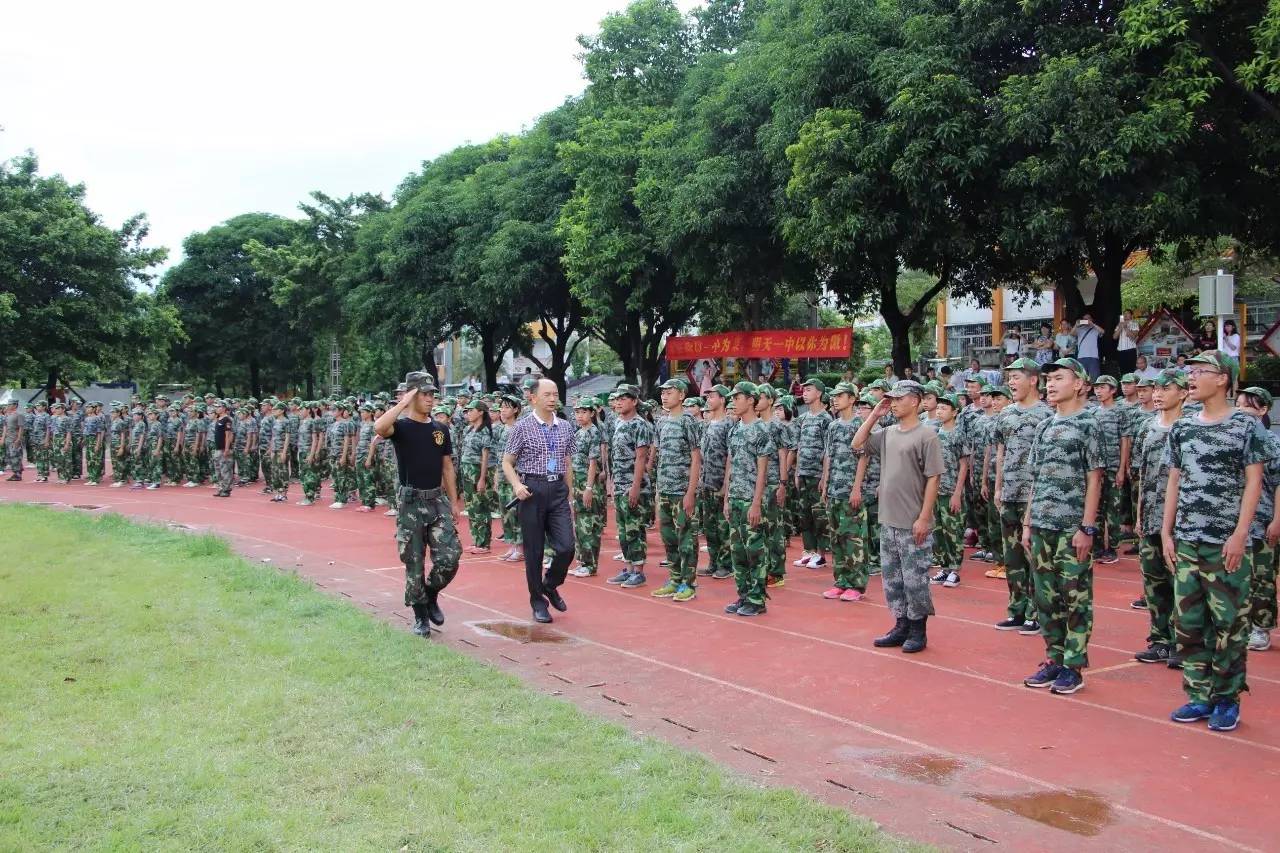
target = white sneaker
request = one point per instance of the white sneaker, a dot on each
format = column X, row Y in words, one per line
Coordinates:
column 305, row 502
column 337, row 505
column 154, row 486
column 117, row 485
column 91, row 483
column 617, row 558
column 1259, row 640
column 190, row 484
column 391, row 513
column 804, row 559
column 953, row 579
column 380, row 501
column 817, row 561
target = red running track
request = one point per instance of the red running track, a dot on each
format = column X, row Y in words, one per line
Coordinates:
column 945, row 747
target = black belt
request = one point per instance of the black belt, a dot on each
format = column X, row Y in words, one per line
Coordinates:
column 550, row 478
column 413, row 491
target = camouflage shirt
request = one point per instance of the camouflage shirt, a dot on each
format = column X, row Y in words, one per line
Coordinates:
column 306, row 430
column 1136, row 420
column 628, row 437
column 279, row 433
column 92, row 425
column 586, row 447
column 475, row 442
column 782, row 440
column 811, row 443
column 40, row 427
column 499, row 445
column 1015, row 429
column 1153, row 476
column 843, row 462
column 1270, row 482
column 155, row 435
column 870, row 477
column 59, row 427
column 715, row 451
column 119, row 432
column 1211, row 459
column 1065, row 450
column 747, row 443
column 334, row 437
column 265, row 427
column 954, row 449
column 137, row 433
column 1110, row 425
column 676, row 439
column 364, row 438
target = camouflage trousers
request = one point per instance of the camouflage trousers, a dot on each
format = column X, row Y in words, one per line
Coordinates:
column 279, row 479
column 1017, row 570
column 973, row 518
column 715, row 527
column 1157, row 590
column 1063, row 594
column 254, row 460
column 812, row 518
column 872, row 559
column 1211, row 621
column 631, row 529
column 478, row 503
column 995, row 527
column 221, row 464
column 367, row 480
column 1262, row 590
column 42, row 461
column 264, row 460
column 171, row 465
column 120, row 465
column 95, row 461
column 77, row 456
column 948, row 534
column 1131, row 497
column 512, row 532
column 149, row 466
column 791, row 511
column 389, row 481
column 309, row 477
column 13, row 457
column 748, row 551
column 847, row 529
column 906, row 572
column 425, row 521
column 1111, row 510
column 197, row 462
column 344, row 479
column 588, row 525
column 775, row 537
column 679, row 537
column 60, row 459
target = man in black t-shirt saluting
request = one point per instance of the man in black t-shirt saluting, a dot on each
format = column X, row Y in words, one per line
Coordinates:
column 223, row 435
column 425, row 519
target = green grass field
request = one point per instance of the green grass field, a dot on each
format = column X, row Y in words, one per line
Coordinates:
column 159, row 692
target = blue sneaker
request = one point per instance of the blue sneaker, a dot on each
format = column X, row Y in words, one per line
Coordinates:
column 1225, row 716
column 636, row 579
column 1192, row 712
column 1069, row 681
column 620, row 577
column 1047, row 674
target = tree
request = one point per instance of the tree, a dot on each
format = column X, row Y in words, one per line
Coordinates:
column 69, row 285
column 237, row 334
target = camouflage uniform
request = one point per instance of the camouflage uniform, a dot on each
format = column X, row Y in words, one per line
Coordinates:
column 29, row 438
column 474, row 443
column 949, row 526
column 424, row 520
column 265, row 427
column 748, row 546
column 628, row 436
column 502, row 493
column 588, row 521
column 153, row 449
column 308, row 465
column 1065, row 450
column 41, row 426
column 76, row 426
column 1135, row 424
column 1153, row 482
column 14, row 442
column 871, row 506
column 119, row 434
column 1262, row 597
column 845, row 526
column 676, row 440
column 279, row 479
column 60, row 455
column 366, row 470
column 138, row 450
column 811, row 505
column 95, row 454
column 339, row 464
column 968, row 421
column 389, row 473
column 171, row 461
column 775, row 529
column 1110, row 504
column 1016, row 429
column 1211, row 604
column 714, row 443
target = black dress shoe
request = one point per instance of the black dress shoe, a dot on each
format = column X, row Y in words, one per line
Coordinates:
column 540, row 612
column 557, row 600
column 434, row 613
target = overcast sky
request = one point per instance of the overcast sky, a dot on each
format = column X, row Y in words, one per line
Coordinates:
column 193, row 113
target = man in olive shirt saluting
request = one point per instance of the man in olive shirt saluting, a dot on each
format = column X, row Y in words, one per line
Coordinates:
column 911, row 464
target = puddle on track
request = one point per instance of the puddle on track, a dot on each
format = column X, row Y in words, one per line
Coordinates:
column 85, row 506
column 932, row 769
column 1080, row 812
column 521, row 632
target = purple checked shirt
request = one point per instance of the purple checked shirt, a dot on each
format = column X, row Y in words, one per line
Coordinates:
column 541, row 448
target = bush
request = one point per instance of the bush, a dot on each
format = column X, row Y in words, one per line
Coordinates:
column 1266, row 367
column 828, row 379
column 867, row 375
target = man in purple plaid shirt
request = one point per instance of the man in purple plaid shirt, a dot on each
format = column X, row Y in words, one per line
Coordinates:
column 536, row 464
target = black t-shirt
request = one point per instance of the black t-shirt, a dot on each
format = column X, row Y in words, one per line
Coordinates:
column 420, row 452
column 220, row 429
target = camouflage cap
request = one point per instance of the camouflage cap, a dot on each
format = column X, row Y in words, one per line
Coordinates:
column 438, row 410
column 585, row 404
column 1146, row 382
column 368, row 407
column 950, row 399
column 1067, row 364
column 58, row 404
column 787, row 402
column 449, row 401
column 1262, row 395
column 625, row 390
column 722, row 390
column 1030, row 365
column 675, row 383
column 747, row 388
column 866, row 400
column 1129, row 379
column 814, row 382
column 645, row 406
column 903, row 388
column 464, row 391
column 1219, row 360
column 402, row 387
column 998, row 391
column 201, row 408
column 40, row 403
column 692, row 402
column 421, row 380
column 279, row 406
column 477, row 403
column 1104, row 379
column 845, row 388
column 1168, row 377
column 164, row 397
column 882, row 384
column 217, row 404
column 513, row 400
column 764, row 389
column 529, row 382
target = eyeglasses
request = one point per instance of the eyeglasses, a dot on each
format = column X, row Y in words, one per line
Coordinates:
column 1203, row 371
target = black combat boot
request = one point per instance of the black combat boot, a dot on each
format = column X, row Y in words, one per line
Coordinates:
column 421, row 622
column 916, row 639
column 434, row 613
column 896, row 636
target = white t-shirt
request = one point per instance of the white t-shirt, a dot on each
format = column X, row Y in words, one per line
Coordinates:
column 1012, row 344
column 1231, row 345
column 1147, row 372
column 1128, row 330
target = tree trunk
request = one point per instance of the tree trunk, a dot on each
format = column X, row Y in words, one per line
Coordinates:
column 51, row 384
column 311, row 385
column 429, row 363
column 255, row 379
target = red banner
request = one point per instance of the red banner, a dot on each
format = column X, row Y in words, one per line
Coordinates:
column 768, row 343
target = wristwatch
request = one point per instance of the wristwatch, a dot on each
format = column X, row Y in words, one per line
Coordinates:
column 1088, row 531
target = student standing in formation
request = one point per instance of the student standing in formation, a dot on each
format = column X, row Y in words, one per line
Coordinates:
column 13, row 439
column 220, row 456
column 866, row 492
column 477, row 464
column 628, row 465
column 811, row 503
column 279, row 455
column 137, row 449
column 589, row 495
column 1215, row 478
column 366, row 463
column 1126, row 476
column 846, row 524
column 949, row 507
column 1015, row 434
column 1059, row 528
column 1105, row 389
column 911, row 466
column 775, row 484
column 41, row 425
column 678, row 469
column 95, row 429
column 714, row 445
column 1153, row 479
column 1256, row 402
column 119, row 431
column 746, row 492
